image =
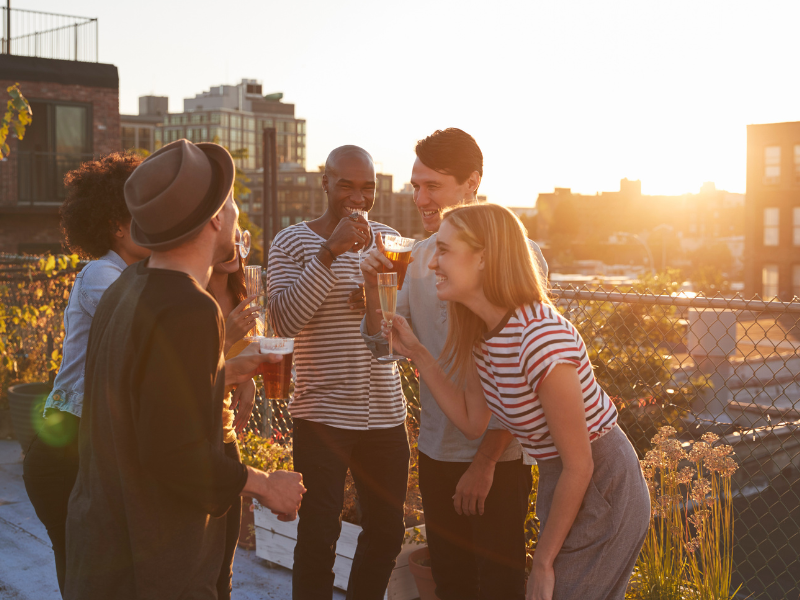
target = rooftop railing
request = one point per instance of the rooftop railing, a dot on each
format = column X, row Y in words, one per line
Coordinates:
column 48, row 35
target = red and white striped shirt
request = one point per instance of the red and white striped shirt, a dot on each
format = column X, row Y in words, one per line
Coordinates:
column 515, row 358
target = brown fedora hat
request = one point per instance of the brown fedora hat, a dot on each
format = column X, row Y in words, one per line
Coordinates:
column 176, row 191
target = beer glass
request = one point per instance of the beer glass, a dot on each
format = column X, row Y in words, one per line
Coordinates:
column 398, row 250
column 254, row 285
column 277, row 377
column 244, row 243
column 358, row 278
column 387, row 292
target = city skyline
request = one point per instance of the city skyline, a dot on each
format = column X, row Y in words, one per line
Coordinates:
column 663, row 94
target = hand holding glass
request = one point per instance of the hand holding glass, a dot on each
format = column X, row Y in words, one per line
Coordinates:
column 387, row 292
column 359, row 277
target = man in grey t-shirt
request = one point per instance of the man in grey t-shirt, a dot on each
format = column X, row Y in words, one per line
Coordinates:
column 474, row 493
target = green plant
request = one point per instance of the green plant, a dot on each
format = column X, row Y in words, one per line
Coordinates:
column 18, row 116
column 688, row 551
column 629, row 345
column 264, row 454
column 33, row 296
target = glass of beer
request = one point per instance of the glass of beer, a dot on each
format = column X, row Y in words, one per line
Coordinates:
column 254, row 285
column 387, row 292
column 398, row 250
column 277, row 376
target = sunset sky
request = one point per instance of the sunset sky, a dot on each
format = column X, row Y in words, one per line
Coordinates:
column 558, row 94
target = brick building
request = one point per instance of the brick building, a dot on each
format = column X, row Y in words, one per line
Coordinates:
column 75, row 117
column 772, row 236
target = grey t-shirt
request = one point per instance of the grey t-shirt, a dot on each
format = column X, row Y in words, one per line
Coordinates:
column 439, row 439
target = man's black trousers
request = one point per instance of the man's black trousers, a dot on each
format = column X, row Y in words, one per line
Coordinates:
column 476, row 557
column 378, row 461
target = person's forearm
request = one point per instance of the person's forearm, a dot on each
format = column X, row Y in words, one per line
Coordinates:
column 295, row 297
column 469, row 414
column 493, row 445
column 567, row 498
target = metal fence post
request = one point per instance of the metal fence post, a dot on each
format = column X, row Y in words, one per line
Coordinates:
column 712, row 342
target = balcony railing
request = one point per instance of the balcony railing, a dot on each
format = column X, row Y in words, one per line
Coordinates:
column 36, row 178
column 48, row 35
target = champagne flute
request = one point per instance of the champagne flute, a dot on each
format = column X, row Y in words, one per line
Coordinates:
column 358, row 278
column 387, row 292
column 244, row 244
column 254, row 286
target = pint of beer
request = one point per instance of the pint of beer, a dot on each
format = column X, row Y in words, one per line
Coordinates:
column 398, row 250
column 277, row 376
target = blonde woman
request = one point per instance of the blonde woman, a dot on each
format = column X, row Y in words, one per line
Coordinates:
column 509, row 352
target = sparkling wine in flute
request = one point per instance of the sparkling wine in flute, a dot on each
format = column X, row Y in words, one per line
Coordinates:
column 277, row 377
column 398, row 250
column 387, row 293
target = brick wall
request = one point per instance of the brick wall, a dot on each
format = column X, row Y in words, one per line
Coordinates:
column 40, row 225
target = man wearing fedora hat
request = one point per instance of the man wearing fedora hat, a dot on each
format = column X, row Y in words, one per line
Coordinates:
column 154, row 480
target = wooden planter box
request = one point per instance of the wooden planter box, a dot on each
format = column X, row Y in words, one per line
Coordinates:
column 275, row 541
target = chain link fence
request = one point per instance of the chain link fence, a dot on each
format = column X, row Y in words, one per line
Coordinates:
column 725, row 365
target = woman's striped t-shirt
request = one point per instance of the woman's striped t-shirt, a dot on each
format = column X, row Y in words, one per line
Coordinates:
column 338, row 382
column 515, row 358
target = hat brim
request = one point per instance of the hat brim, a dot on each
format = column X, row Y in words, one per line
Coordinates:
column 222, row 158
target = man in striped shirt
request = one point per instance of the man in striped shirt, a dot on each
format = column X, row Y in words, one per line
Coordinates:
column 474, row 493
column 348, row 410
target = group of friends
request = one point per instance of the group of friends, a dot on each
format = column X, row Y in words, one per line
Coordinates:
column 144, row 499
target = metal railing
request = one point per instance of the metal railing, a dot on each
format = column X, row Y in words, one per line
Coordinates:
column 48, row 35
column 29, row 178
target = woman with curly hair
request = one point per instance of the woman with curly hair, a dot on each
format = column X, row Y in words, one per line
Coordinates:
column 96, row 225
column 227, row 286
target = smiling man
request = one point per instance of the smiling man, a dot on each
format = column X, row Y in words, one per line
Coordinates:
column 348, row 410
column 474, row 493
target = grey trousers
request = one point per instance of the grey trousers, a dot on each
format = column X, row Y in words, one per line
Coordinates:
column 598, row 556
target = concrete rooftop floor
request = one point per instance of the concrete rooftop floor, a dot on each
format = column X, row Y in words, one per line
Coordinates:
column 27, row 569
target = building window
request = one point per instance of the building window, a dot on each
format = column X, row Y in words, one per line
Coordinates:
column 214, row 118
column 796, row 281
column 772, row 165
column 771, row 225
column 196, row 118
column 769, row 282
column 128, row 138
column 265, row 123
column 301, row 180
column 224, row 120
column 58, row 140
column 796, row 225
column 145, row 139
column 236, row 121
column 249, row 123
column 797, row 163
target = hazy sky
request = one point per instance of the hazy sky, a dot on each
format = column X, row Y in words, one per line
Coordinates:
column 558, row 94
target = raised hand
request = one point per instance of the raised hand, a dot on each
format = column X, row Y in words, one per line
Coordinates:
column 241, row 320
column 350, row 234
column 374, row 262
column 243, row 366
column 403, row 339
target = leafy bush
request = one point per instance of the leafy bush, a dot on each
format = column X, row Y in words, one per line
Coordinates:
column 33, row 296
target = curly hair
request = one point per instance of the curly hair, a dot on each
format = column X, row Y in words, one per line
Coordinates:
column 95, row 204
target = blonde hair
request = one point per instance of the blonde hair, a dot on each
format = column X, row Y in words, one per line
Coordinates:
column 511, row 276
